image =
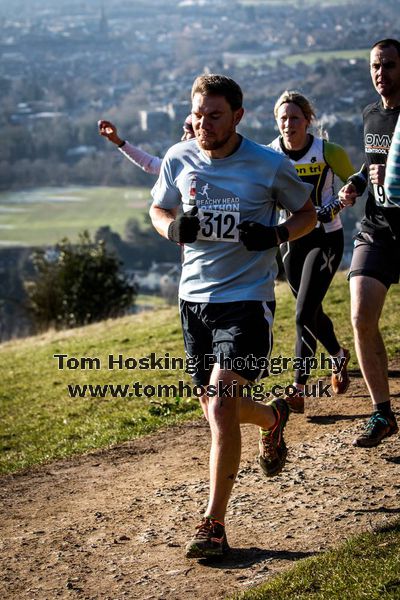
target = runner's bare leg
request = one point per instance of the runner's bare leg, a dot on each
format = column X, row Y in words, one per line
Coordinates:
column 224, row 416
column 367, row 299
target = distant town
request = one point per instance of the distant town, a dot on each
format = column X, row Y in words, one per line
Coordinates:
column 66, row 64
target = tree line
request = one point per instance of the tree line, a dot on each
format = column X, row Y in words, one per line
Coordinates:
column 72, row 284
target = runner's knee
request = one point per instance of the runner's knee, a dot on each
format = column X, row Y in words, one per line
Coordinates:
column 223, row 412
column 363, row 319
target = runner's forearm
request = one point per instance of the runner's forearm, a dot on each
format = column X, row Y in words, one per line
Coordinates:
column 149, row 163
column 301, row 222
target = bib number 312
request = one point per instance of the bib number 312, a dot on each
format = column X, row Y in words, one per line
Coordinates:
column 221, row 226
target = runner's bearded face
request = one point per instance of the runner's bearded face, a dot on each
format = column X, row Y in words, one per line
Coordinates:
column 385, row 71
column 292, row 125
column 214, row 122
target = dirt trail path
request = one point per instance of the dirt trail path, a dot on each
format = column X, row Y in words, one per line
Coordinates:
column 113, row 524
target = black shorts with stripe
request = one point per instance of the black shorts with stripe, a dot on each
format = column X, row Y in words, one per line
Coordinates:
column 236, row 335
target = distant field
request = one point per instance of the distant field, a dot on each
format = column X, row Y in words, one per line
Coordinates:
column 297, row 2
column 45, row 215
column 311, row 57
column 243, row 59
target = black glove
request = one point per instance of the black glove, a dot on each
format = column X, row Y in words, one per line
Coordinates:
column 359, row 180
column 256, row 236
column 185, row 227
column 327, row 213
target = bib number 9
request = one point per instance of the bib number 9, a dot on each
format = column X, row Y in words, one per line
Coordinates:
column 381, row 198
column 379, row 193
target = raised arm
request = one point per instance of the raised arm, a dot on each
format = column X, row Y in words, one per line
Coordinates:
column 109, row 131
column 147, row 162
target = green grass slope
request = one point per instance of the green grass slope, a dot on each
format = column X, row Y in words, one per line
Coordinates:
column 40, row 421
column 366, row 567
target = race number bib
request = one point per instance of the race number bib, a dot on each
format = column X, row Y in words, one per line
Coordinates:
column 219, row 226
column 380, row 197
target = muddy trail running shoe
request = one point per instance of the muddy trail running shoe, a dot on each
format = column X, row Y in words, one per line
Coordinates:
column 340, row 380
column 209, row 540
column 378, row 427
column 272, row 446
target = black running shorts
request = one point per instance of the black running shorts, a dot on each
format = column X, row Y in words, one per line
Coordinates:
column 236, row 335
column 377, row 258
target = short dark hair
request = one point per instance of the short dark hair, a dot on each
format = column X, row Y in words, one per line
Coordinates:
column 387, row 43
column 219, row 85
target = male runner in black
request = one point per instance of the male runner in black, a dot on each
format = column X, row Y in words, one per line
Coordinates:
column 376, row 259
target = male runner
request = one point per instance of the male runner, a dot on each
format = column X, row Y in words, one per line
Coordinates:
column 376, row 259
column 227, row 285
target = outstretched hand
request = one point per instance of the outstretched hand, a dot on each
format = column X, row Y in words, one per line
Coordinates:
column 109, row 130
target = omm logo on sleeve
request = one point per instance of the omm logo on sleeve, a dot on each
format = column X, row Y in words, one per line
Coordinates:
column 376, row 143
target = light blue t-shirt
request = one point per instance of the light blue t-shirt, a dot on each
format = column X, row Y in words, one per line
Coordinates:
column 392, row 177
column 245, row 186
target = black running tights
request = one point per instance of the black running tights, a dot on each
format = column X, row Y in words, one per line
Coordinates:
column 310, row 264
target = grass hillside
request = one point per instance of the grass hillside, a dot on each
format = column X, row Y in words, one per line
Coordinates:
column 39, row 421
column 365, row 567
